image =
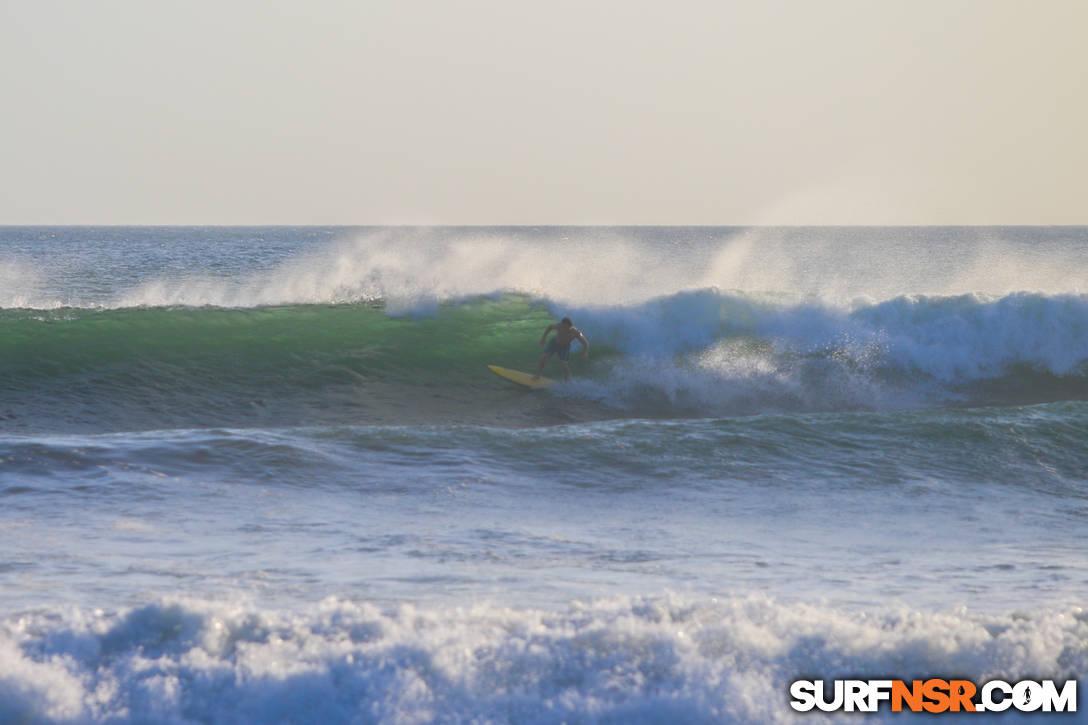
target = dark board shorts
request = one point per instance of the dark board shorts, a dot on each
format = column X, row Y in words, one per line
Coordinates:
column 563, row 351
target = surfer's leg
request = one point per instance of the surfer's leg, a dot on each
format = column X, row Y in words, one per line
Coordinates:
column 543, row 361
column 564, row 355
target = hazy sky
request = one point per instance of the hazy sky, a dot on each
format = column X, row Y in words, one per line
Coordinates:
column 418, row 112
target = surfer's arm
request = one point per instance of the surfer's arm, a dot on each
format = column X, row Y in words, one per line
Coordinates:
column 585, row 345
column 547, row 329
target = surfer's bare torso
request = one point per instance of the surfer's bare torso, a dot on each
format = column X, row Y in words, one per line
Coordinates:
column 565, row 335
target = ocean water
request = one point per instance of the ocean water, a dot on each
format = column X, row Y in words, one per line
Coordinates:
column 262, row 475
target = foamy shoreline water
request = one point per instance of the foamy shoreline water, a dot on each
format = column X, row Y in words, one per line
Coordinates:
column 634, row 660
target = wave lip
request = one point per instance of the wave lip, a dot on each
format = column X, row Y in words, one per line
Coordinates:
column 650, row 660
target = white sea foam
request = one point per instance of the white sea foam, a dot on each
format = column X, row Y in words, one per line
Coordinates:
column 664, row 660
column 741, row 353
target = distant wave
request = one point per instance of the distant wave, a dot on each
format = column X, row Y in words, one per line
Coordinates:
column 705, row 352
column 639, row 660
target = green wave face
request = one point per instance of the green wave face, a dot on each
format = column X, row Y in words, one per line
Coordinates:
column 171, row 367
column 71, row 340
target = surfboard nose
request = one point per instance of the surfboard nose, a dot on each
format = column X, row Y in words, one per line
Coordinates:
column 521, row 378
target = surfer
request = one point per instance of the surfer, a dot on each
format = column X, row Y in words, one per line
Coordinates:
column 565, row 334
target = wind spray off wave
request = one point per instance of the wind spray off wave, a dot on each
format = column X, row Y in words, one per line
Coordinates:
column 578, row 266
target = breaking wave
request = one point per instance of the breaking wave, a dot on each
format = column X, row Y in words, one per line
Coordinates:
column 703, row 353
column 634, row 660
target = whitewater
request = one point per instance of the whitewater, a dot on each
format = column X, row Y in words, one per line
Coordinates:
column 257, row 475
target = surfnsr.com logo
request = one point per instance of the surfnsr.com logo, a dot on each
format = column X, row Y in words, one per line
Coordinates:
column 933, row 696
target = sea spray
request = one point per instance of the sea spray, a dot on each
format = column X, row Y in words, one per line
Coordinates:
column 579, row 266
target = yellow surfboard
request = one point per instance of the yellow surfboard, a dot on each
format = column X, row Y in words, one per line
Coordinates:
column 520, row 378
